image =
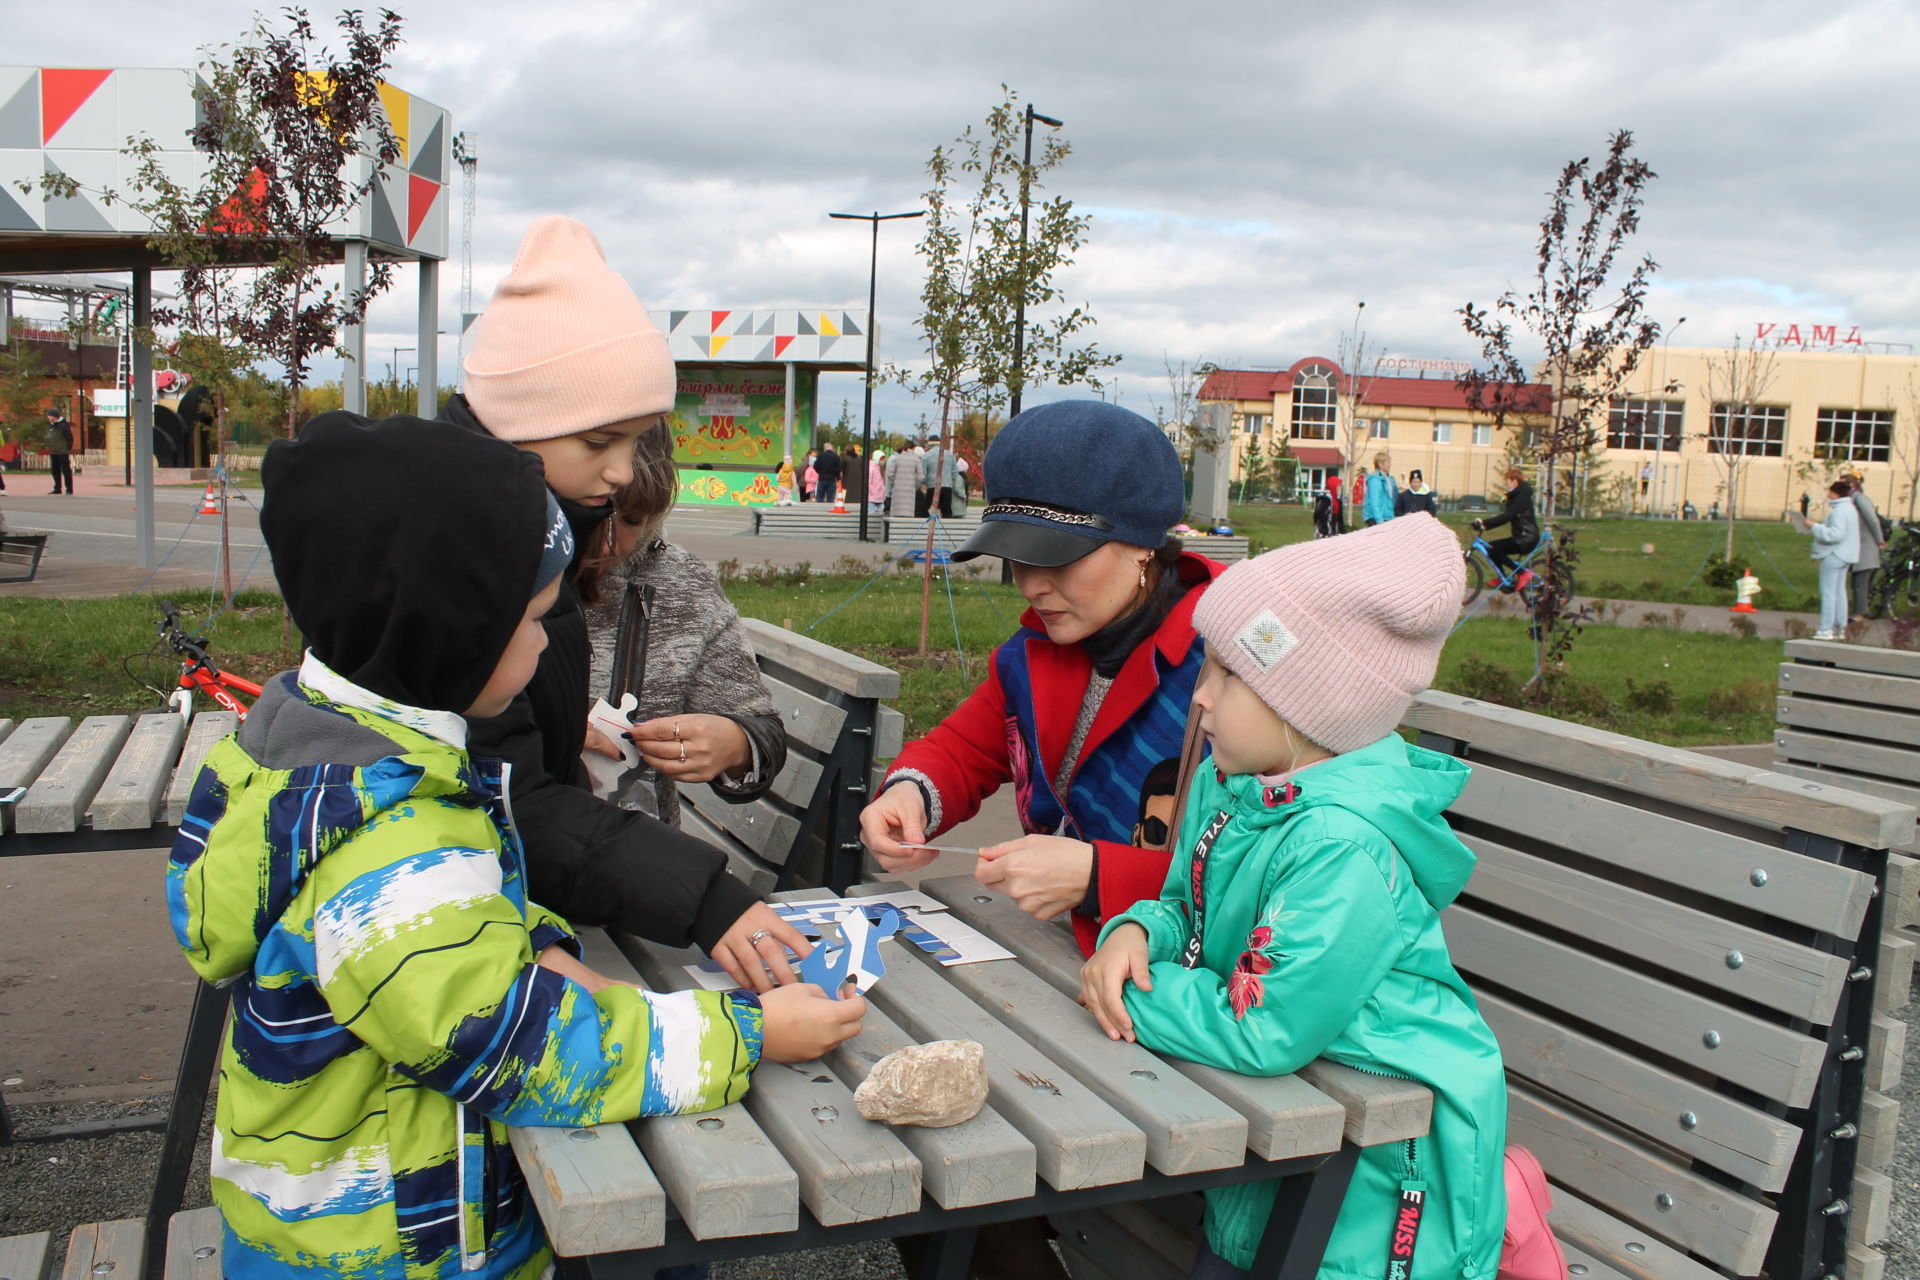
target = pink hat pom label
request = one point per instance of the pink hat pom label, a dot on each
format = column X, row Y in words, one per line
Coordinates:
column 1266, row 640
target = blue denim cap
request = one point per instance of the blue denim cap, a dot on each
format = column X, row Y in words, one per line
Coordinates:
column 1063, row 478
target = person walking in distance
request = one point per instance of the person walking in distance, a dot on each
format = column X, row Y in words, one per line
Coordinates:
column 60, row 448
column 1380, row 492
column 826, row 469
column 1871, row 544
column 937, row 476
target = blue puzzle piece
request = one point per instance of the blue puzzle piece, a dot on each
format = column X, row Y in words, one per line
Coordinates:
column 856, row 958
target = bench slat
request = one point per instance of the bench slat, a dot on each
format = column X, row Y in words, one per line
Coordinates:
column 721, row 1170
column 59, row 798
column 1599, row 1234
column 194, row 1240
column 810, row 721
column 208, row 728
column 1840, row 780
column 1795, row 980
column 1187, row 1128
column 106, row 1248
column 1286, row 1116
column 1879, row 1124
column 1743, row 1141
column 1718, row 864
column 130, row 798
column 804, row 656
column 850, row 1169
column 768, row 832
column 1855, row 657
column 1078, row 1139
column 1802, row 680
column 1705, row 1217
column 26, row 1257
column 1892, row 727
column 1846, row 753
column 1872, row 1201
column 797, row 780
column 1667, row 773
column 756, row 875
column 28, row 748
column 1750, row 1051
column 594, row 1192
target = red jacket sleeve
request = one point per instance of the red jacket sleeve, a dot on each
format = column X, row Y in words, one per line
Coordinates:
column 964, row 757
column 1124, row 875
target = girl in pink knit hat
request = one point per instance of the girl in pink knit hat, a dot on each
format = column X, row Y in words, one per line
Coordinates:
column 1300, row 918
column 566, row 363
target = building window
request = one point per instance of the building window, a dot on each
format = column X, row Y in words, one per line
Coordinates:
column 1377, row 428
column 1315, row 403
column 1483, row 433
column 1757, row 430
column 1443, row 433
column 1256, row 423
column 1645, row 424
column 1863, row 435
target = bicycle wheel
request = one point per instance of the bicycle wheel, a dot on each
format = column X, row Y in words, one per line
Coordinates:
column 1476, row 581
column 1880, row 596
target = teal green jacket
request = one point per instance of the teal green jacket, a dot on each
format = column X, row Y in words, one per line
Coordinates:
column 359, row 884
column 1319, row 936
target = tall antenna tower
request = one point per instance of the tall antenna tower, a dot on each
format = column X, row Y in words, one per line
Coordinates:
column 467, row 157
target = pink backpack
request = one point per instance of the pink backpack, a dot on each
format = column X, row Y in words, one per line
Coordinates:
column 1530, row 1251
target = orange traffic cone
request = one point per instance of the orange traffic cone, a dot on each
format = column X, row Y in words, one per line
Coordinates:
column 1744, row 592
column 209, row 505
column 840, row 500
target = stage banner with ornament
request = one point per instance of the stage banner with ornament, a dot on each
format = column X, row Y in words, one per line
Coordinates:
column 728, row 427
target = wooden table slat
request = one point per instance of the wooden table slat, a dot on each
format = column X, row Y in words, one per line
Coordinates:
column 59, row 797
column 850, row 1169
column 594, row 1192
column 130, row 798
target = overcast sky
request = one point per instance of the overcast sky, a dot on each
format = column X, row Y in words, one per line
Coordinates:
column 1254, row 169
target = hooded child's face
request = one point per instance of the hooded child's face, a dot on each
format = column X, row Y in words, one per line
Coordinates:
column 516, row 665
column 588, row 466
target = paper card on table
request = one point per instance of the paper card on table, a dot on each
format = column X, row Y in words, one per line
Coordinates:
column 952, row 941
column 613, row 722
column 856, row 957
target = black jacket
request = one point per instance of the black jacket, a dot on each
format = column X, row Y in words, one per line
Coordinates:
column 826, row 467
column 1517, row 509
column 594, row 862
column 1409, row 503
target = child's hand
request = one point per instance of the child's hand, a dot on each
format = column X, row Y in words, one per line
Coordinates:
column 1044, row 875
column 1103, row 979
column 802, row 1022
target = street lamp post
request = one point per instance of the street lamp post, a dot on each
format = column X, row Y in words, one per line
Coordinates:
column 873, row 280
column 1020, row 304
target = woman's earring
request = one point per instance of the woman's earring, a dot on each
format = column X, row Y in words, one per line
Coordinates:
column 1143, row 573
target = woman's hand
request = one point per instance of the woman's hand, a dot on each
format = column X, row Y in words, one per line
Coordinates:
column 1044, row 875
column 898, row 817
column 692, row 747
column 1121, row 959
column 747, row 958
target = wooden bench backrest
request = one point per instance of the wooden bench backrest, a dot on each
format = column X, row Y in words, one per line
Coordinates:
column 1662, row 962
column 1849, row 717
column 835, row 731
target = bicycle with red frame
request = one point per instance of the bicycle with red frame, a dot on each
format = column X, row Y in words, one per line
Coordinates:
column 198, row 674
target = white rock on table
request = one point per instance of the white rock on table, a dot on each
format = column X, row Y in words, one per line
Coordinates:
column 930, row 1085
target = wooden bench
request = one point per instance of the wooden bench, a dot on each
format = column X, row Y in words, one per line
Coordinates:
column 909, row 534
column 1073, row 1120
column 109, row 782
column 806, row 829
column 1226, row 548
column 20, row 554
column 122, row 1250
column 817, row 522
column 1678, row 956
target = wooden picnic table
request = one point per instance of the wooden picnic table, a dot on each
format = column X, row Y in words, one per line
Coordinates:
column 1073, row 1121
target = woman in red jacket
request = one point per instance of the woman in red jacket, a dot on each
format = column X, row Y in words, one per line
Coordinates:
column 1090, row 693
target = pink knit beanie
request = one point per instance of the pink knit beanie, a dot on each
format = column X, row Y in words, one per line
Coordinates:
column 564, row 346
column 1338, row 634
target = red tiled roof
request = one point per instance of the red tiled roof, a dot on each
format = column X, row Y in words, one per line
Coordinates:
column 1241, row 384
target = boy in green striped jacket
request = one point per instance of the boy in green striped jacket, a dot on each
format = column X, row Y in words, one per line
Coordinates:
column 355, row 875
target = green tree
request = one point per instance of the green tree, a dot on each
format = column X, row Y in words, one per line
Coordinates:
column 23, row 391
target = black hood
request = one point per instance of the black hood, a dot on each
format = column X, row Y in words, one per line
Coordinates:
column 406, row 550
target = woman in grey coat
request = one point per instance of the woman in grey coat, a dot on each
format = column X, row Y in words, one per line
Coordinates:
column 1870, row 547
column 1836, row 545
column 662, row 628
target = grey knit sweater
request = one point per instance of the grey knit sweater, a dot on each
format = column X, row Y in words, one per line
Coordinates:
column 697, row 660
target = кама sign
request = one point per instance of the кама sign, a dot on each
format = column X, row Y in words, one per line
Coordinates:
column 1813, row 335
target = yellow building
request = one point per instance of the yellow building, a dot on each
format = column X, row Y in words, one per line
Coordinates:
column 1788, row 417
column 1332, row 420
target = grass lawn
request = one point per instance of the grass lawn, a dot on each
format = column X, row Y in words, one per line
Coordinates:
column 69, row 656
column 1613, row 564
